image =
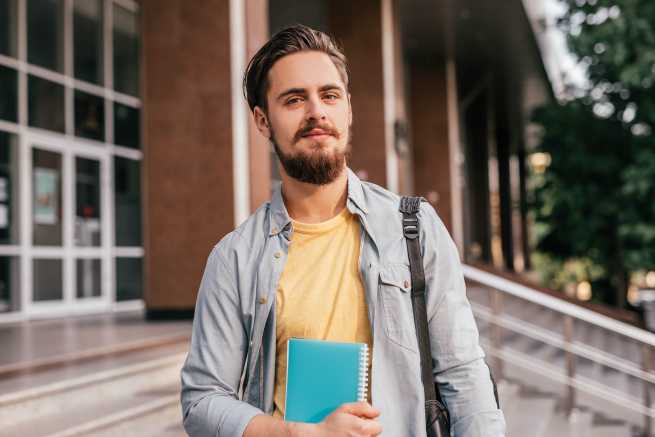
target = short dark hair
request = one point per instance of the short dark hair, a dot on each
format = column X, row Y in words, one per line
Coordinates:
column 293, row 39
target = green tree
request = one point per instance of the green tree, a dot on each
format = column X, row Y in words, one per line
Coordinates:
column 596, row 200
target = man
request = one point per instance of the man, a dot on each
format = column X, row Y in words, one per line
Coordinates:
column 326, row 259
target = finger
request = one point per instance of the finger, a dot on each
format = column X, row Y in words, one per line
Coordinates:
column 369, row 427
column 369, row 412
column 362, row 409
column 351, row 407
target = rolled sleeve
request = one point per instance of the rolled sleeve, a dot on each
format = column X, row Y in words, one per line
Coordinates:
column 459, row 367
column 212, row 371
column 209, row 417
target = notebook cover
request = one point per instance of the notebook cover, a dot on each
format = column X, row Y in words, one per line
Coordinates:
column 322, row 375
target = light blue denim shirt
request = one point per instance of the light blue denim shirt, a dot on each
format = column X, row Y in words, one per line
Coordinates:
column 229, row 374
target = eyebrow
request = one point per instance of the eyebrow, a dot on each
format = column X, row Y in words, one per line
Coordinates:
column 328, row 87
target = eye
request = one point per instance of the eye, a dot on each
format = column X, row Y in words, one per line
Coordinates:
column 331, row 96
column 293, row 101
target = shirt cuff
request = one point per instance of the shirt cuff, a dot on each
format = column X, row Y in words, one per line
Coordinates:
column 236, row 422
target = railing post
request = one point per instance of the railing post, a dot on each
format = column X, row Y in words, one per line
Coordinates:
column 570, row 363
column 646, row 365
column 497, row 332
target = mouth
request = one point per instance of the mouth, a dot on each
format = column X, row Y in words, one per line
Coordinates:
column 316, row 134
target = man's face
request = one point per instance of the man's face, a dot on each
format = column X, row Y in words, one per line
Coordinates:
column 308, row 117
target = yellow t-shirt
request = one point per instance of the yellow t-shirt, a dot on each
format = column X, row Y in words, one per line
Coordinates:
column 320, row 294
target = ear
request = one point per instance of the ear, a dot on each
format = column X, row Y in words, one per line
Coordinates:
column 350, row 112
column 261, row 121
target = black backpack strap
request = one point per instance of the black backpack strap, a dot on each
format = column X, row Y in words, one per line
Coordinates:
column 434, row 406
column 409, row 207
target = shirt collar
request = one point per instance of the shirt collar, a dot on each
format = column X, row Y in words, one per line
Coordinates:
column 280, row 217
column 356, row 191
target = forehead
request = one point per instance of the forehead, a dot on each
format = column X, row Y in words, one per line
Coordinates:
column 307, row 69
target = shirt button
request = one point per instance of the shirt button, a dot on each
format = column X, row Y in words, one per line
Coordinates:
column 406, row 284
column 277, row 254
column 263, row 300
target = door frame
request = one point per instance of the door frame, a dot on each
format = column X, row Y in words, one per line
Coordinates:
column 68, row 148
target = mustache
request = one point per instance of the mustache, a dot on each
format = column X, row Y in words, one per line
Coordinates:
column 315, row 125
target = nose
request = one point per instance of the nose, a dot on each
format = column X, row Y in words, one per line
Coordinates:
column 315, row 109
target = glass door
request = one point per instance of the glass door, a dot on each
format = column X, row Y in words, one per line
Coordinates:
column 88, row 228
column 47, row 226
column 68, row 253
column 9, row 223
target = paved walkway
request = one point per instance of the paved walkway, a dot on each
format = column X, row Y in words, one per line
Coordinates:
column 35, row 344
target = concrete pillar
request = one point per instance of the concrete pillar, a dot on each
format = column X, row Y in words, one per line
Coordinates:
column 478, row 232
column 187, row 129
column 358, row 26
column 432, row 171
column 401, row 125
column 435, row 129
column 257, row 33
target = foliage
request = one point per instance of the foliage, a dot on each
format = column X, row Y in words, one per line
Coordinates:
column 565, row 275
column 596, row 200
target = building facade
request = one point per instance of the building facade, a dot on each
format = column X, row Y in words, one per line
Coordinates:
column 70, row 157
column 128, row 149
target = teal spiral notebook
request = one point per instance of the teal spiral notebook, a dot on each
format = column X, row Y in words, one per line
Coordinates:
column 322, row 375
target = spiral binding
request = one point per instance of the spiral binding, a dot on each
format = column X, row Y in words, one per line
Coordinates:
column 362, row 386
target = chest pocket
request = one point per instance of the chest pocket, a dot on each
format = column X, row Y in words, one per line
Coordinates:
column 395, row 296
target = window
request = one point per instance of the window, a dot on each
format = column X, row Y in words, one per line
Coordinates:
column 8, row 20
column 126, row 51
column 8, row 188
column 127, row 179
column 9, row 283
column 87, row 28
column 89, row 116
column 46, row 198
column 46, row 104
column 47, row 279
column 45, row 34
column 88, row 278
column 87, row 199
column 129, row 279
column 9, row 93
column 126, row 126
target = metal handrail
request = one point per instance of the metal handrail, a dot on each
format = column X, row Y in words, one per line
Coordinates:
column 555, row 304
column 572, row 348
column 545, row 336
column 579, row 382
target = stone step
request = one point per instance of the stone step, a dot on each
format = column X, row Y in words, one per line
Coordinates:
column 531, row 417
column 579, row 423
column 49, row 344
column 164, row 422
column 83, row 403
column 38, row 380
column 508, row 394
column 612, row 431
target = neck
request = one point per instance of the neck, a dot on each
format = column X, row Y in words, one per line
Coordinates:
column 309, row 203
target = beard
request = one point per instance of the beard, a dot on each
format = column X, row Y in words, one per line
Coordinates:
column 315, row 166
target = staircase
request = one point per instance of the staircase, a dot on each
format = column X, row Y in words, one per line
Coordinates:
column 125, row 393
column 129, row 386
column 534, row 413
column 536, row 373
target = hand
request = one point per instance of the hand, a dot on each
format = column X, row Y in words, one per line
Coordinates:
column 350, row 420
